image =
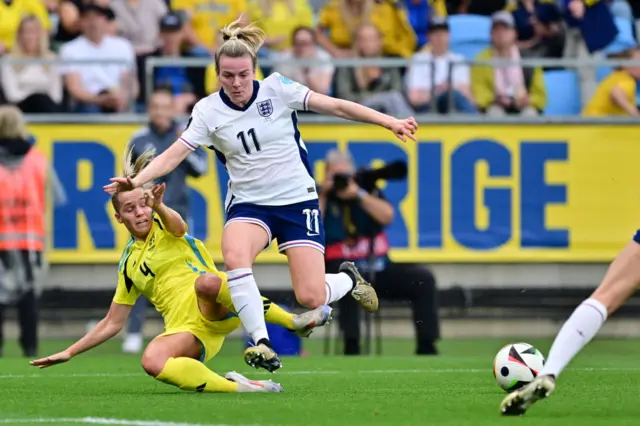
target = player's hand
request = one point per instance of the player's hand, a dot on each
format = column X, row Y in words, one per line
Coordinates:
column 404, row 129
column 59, row 358
column 119, row 184
column 153, row 197
column 350, row 192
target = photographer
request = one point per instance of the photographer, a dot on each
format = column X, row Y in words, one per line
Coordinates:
column 355, row 212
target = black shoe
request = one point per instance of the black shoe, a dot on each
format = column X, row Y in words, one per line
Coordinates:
column 29, row 353
column 352, row 347
column 426, row 348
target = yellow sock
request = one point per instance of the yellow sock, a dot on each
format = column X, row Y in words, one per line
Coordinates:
column 273, row 313
column 224, row 298
column 189, row 374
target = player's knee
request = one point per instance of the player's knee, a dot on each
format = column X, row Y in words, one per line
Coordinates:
column 208, row 286
column 312, row 299
column 236, row 259
column 153, row 363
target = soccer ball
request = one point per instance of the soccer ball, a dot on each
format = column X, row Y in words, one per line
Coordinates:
column 516, row 365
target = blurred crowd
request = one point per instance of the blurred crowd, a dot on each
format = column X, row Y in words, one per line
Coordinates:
column 435, row 36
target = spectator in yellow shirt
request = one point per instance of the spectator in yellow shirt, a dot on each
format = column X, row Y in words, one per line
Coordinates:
column 339, row 20
column 11, row 14
column 506, row 89
column 278, row 19
column 207, row 17
column 616, row 95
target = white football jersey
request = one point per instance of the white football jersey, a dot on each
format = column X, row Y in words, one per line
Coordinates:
column 259, row 144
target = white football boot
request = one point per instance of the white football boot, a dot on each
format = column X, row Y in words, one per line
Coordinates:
column 518, row 402
column 246, row 385
column 305, row 323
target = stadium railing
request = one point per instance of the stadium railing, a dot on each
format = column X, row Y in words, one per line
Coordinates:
column 562, row 73
column 600, row 67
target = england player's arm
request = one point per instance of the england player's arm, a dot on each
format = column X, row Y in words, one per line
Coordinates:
column 348, row 110
column 108, row 327
column 197, row 163
column 299, row 97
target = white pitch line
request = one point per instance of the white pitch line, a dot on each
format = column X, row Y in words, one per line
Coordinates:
column 39, row 376
column 302, row 372
column 102, row 421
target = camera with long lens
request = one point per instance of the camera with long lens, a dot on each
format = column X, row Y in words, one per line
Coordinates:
column 341, row 181
column 368, row 178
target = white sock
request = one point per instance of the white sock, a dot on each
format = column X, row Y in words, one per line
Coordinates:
column 579, row 329
column 338, row 285
column 248, row 302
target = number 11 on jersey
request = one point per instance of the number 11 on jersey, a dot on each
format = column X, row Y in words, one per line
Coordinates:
column 313, row 221
column 243, row 139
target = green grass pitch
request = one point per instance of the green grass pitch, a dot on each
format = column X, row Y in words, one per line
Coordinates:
column 455, row 388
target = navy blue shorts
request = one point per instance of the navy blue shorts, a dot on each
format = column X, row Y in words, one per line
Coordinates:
column 636, row 236
column 294, row 225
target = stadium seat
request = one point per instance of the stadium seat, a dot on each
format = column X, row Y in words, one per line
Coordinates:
column 563, row 93
column 603, row 72
column 469, row 50
column 470, row 34
column 467, row 28
column 625, row 28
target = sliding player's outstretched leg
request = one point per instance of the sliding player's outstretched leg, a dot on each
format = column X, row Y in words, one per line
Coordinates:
column 173, row 359
column 363, row 292
column 620, row 282
column 302, row 324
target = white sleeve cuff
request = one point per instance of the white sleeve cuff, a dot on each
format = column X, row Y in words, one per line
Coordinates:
column 188, row 144
column 305, row 101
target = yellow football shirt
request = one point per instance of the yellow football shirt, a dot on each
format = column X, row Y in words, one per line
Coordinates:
column 209, row 16
column 163, row 268
column 11, row 16
column 281, row 22
column 398, row 37
column 601, row 103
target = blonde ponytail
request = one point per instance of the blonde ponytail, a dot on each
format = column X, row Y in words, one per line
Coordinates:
column 240, row 40
column 132, row 169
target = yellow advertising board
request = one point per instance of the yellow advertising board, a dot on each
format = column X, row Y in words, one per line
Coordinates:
column 520, row 193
